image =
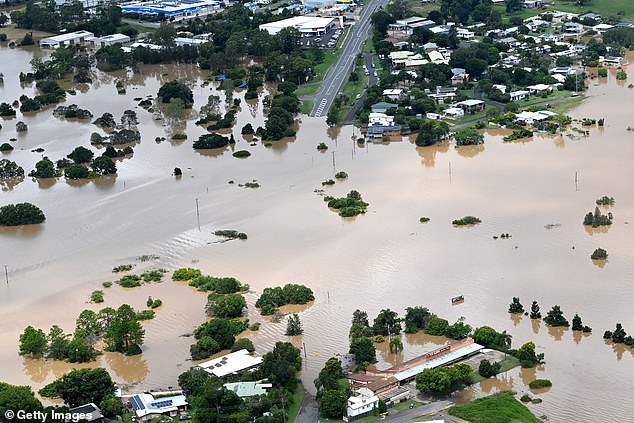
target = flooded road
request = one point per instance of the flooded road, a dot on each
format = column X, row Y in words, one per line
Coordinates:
column 384, row 259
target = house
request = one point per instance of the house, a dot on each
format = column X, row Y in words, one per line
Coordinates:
column 453, row 113
column 181, row 41
column 437, row 58
column 90, row 413
column 532, row 4
column 146, row 407
column 430, row 47
column 519, row 95
column 560, row 78
column 539, row 88
column 400, row 57
column 563, row 70
column 440, row 29
column 500, row 87
column 359, row 407
column 248, row 389
column 465, row 34
column 380, row 119
column 471, row 106
column 571, row 28
column 379, row 131
column 382, row 107
column 433, row 116
column 379, row 386
column 109, row 40
column 361, row 378
column 65, row 40
column 602, row 28
column 591, row 17
column 230, row 363
column 529, row 118
column 612, row 60
column 459, row 76
column 394, row 93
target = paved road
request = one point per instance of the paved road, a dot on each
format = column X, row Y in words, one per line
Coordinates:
column 410, row 414
column 372, row 81
column 340, row 70
column 309, row 413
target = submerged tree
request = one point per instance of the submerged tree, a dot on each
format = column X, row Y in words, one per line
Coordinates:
column 293, row 325
column 535, row 313
column 516, row 306
column 396, row 346
column 555, row 317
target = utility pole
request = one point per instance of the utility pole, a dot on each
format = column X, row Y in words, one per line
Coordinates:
column 197, row 214
column 333, row 159
column 6, row 273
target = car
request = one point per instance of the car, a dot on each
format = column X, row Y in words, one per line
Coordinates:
column 373, row 65
column 317, row 40
column 357, row 97
column 412, row 405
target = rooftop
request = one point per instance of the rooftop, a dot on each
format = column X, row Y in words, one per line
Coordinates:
column 248, row 389
column 230, row 363
column 145, row 404
column 449, row 357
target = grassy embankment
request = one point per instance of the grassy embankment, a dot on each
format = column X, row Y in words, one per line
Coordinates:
column 398, row 407
column 298, row 398
column 352, row 89
column 505, row 365
column 502, row 407
column 604, row 8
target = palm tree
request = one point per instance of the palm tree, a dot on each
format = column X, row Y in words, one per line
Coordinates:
column 396, row 346
column 504, row 339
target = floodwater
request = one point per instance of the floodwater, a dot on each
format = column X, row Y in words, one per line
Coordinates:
column 384, row 259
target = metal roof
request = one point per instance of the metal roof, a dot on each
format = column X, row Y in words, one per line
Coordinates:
column 440, row 361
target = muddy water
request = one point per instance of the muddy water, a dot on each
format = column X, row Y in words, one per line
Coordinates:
column 385, row 258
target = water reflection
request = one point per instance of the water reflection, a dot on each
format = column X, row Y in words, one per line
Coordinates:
column 536, row 325
column 556, row 332
column 428, row 154
column 132, row 369
column 469, row 151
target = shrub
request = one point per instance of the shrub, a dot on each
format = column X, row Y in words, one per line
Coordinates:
column 222, row 285
column 436, row 326
column 341, row 175
column 597, row 218
column 243, row 344
column 9, row 169
column 241, row 154
column 526, row 398
column 122, row 268
column 322, row 146
column 21, row 214
column 327, row 182
column 6, row 147
column 488, row 369
column 255, row 327
column 599, row 254
column 178, row 171
column 350, row 205
column 106, row 284
column 145, row 315
column 230, row 234
column 605, row 201
column 518, row 134
column 555, row 317
column 209, row 141
column 516, row 306
column 379, row 339
column 272, row 298
column 130, row 281
column 21, row 127
column 185, row 274
column 76, row 171
column 424, row 219
column 467, row 220
column 540, row 383
column 155, row 275
column 96, row 297
column 179, row 136
column 247, row 129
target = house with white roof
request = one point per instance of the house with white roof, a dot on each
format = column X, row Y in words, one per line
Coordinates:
column 471, row 106
column 146, row 407
column 519, row 95
column 109, row 40
column 529, row 118
column 465, row 34
column 360, row 406
column 248, row 389
column 603, row 28
column 65, row 40
column 437, row 58
column 539, row 88
column 380, row 119
column 231, row 363
column 394, row 94
column 453, row 113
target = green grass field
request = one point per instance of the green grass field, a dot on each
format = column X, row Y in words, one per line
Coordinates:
column 506, row 365
column 298, row 398
column 307, row 90
column 306, row 107
column 604, row 8
column 499, row 408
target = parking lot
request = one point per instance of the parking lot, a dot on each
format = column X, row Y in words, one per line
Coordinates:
column 327, row 40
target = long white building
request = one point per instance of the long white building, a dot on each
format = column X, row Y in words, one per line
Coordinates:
column 65, row 40
column 304, row 24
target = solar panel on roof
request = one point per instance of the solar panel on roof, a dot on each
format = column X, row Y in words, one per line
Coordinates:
column 137, row 404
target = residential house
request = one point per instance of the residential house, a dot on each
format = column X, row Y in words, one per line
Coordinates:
column 248, row 389
column 231, row 363
column 421, row 24
column 563, row 70
column 399, row 58
column 437, row 58
column 500, row 87
column 379, row 131
column 440, row 29
column 532, row 4
column 612, row 60
column 361, row 378
column 359, row 407
column 592, row 17
column 146, row 407
column 571, row 28
column 379, row 386
column 181, row 41
column 433, row 116
column 90, row 412
column 539, row 89
column 602, row 28
column 394, row 94
column 430, row 47
column 453, row 113
column 529, row 118
column 465, row 34
column 471, row 106
column 443, row 95
column 380, row 119
column 459, row 76
column 383, row 107
column 519, row 95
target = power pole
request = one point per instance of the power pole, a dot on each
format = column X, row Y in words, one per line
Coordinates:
column 197, row 214
column 6, row 273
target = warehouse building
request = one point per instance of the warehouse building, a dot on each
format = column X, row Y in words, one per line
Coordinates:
column 307, row 25
column 171, row 8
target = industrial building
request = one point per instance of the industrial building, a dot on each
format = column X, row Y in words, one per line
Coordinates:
column 171, row 8
column 65, row 40
column 108, row 40
column 307, row 25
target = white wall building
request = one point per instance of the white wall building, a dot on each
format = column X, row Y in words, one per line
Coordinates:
column 319, row 4
column 304, row 24
column 359, row 407
column 394, row 93
column 109, row 40
column 65, row 40
column 380, row 119
column 230, row 363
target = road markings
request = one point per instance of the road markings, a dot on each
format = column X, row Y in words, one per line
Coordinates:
column 320, row 109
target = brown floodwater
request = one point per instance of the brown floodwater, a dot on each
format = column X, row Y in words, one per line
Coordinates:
column 383, row 259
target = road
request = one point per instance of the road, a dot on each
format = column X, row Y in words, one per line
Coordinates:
column 340, row 70
column 372, row 80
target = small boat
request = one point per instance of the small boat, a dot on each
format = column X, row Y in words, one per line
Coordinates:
column 457, row 300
